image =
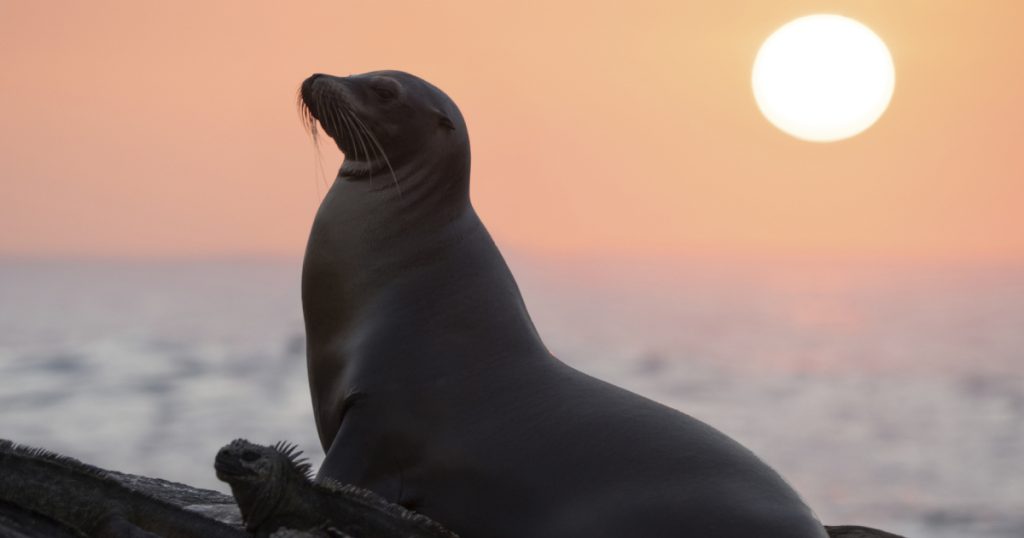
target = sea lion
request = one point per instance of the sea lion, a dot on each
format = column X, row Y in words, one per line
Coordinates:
column 431, row 386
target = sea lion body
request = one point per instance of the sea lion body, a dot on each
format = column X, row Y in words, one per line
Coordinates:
column 432, row 387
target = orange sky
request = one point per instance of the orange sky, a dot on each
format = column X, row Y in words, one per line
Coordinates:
column 169, row 128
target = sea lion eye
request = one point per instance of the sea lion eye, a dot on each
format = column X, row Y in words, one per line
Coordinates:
column 384, row 93
column 446, row 122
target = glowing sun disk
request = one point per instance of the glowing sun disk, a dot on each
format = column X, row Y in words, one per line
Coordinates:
column 823, row 78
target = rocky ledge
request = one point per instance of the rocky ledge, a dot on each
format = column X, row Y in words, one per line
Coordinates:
column 43, row 494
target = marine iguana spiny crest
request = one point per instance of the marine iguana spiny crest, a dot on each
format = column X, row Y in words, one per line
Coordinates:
column 275, row 489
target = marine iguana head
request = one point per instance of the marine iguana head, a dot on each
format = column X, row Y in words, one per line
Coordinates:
column 267, row 481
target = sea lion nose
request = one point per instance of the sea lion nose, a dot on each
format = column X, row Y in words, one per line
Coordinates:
column 307, row 85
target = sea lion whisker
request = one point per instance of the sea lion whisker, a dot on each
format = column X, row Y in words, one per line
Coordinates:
column 308, row 121
column 300, row 106
column 345, row 130
column 318, row 163
column 309, row 127
column 372, row 154
column 304, row 115
column 355, row 137
column 340, row 128
column 368, row 149
column 369, row 159
column 383, row 153
column 348, row 132
column 322, row 106
column 334, row 111
column 326, row 126
column 332, row 123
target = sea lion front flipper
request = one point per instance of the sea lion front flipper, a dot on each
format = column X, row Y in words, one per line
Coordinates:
column 346, row 460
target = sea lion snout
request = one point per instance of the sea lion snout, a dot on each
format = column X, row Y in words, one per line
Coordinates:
column 329, row 101
column 312, row 78
column 319, row 90
column 306, row 90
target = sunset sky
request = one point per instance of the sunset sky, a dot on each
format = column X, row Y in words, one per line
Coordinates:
column 153, row 129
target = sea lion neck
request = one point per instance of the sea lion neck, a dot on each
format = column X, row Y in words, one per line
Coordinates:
column 380, row 223
column 378, row 260
column 411, row 188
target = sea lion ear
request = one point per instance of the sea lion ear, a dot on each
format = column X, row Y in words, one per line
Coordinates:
column 446, row 122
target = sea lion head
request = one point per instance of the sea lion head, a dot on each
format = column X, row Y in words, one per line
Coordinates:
column 389, row 124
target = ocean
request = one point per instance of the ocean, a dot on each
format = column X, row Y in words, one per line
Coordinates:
column 889, row 396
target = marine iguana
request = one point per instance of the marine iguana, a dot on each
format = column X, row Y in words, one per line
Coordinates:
column 275, row 489
column 92, row 502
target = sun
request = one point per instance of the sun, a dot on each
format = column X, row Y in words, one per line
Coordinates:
column 823, row 78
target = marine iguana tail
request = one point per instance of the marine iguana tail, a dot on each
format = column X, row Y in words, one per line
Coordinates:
column 17, row 522
column 275, row 489
column 90, row 501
